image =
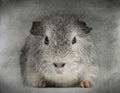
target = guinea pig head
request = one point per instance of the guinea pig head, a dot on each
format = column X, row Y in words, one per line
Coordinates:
column 63, row 50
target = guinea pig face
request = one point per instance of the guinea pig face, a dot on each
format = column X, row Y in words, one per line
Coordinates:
column 62, row 50
column 58, row 57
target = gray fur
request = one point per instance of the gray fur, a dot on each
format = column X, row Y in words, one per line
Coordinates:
column 37, row 58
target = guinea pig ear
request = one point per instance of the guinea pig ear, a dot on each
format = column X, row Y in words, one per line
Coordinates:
column 84, row 26
column 36, row 28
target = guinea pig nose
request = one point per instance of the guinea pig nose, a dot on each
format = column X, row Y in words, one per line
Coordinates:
column 57, row 65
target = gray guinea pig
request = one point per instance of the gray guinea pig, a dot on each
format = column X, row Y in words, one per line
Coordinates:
column 59, row 52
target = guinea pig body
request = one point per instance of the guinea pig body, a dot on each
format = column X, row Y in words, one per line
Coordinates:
column 59, row 52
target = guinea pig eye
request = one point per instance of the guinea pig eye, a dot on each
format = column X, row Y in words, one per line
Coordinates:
column 74, row 40
column 46, row 40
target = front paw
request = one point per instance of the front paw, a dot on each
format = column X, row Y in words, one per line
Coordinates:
column 86, row 84
column 41, row 84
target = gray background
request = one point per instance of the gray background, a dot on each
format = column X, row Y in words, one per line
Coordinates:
column 16, row 17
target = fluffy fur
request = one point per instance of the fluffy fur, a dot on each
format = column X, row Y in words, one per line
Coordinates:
column 37, row 58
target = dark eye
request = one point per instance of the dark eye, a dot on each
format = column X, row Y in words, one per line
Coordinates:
column 74, row 40
column 46, row 40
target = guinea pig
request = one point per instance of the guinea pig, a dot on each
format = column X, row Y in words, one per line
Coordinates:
column 59, row 52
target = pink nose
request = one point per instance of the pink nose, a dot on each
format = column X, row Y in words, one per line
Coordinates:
column 58, row 65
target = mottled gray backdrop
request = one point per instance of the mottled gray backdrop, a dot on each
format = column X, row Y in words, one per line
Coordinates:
column 16, row 17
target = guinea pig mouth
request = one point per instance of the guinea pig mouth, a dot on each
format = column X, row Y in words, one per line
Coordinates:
column 59, row 70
